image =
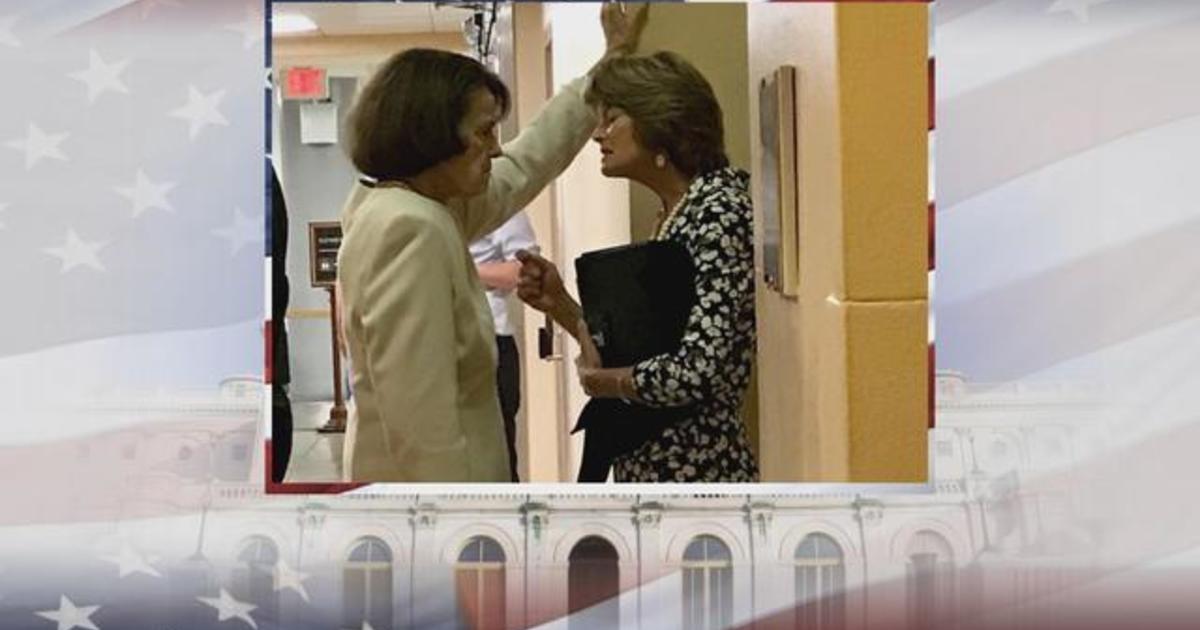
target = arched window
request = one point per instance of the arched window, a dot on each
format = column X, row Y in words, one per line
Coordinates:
column 593, row 583
column 930, row 579
column 367, row 585
column 820, row 583
column 254, row 576
column 707, row 584
column 479, row 582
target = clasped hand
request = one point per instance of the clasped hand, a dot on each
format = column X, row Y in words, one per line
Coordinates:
column 539, row 284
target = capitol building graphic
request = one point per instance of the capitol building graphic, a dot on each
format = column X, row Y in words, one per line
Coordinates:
column 1002, row 498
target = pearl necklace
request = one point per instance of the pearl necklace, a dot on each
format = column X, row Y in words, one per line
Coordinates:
column 666, row 220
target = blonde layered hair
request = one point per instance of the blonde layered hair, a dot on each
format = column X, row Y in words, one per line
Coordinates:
column 672, row 106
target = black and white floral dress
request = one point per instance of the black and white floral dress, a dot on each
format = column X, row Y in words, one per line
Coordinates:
column 711, row 369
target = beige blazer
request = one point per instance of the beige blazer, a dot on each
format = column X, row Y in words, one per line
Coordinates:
column 416, row 321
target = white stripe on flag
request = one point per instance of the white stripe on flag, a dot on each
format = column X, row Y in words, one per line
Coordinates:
column 1029, row 35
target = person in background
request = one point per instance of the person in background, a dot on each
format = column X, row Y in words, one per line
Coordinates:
column 495, row 260
column 281, row 374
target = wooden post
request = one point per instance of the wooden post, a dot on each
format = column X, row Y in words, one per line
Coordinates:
column 337, row 413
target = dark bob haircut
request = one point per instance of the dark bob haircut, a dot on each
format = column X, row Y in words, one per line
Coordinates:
column 672, row 105
column 407, row 118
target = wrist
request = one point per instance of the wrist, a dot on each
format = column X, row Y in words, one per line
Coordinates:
column 626, row 386
column 558, row 314
column 563, row 311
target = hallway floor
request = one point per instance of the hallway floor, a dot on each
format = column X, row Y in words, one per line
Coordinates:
column 315, row 456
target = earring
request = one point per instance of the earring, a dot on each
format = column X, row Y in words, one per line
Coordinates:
column 660, row 161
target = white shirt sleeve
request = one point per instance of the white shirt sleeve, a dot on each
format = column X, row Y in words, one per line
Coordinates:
column 515, row 235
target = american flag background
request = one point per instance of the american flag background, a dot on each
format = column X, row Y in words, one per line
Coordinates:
column 132, row 208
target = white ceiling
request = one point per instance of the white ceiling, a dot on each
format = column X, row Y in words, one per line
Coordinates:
column 376, row 18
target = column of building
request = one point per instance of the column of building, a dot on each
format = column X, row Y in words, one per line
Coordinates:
column 545, row 586
column 428, row 576
column 877, row 590
column 647, row 519
column 764, row 579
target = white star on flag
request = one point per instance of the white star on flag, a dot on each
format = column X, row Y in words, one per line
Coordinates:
column 38, row 145
column 201, row 110
column 230, row 608
column 243, row 231
column 76, row 253
column 253, row 28
column 145, row 194
column 130, row 562
column 288, row 578
column 101, row 77
column 6, row 33
column 70, row 616
column 1078, row 7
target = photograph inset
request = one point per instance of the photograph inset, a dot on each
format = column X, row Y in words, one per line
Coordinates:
column 600, row 242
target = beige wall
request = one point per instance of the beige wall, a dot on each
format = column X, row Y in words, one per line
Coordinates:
column 842, row 367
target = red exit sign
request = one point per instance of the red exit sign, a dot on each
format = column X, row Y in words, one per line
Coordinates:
column 305, row 83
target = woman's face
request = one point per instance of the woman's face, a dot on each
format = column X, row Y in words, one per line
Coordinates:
column 621, row 155
column 467, row 173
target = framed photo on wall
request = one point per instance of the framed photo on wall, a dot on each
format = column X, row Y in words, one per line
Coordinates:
column 777, row 118
column 324, row 239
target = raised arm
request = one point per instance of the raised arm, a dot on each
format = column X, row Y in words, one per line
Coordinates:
column 547, row 146
column 529, row 162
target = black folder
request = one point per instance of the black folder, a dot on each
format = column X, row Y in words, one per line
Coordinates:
column 636, row 301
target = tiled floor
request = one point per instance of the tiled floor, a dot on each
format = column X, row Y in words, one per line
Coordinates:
column 315, row 456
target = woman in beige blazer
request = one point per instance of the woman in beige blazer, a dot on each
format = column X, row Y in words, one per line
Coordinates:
column 417, row 325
